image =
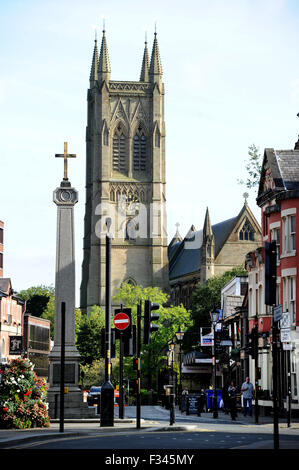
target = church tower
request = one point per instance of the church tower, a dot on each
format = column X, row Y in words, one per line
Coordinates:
column 125, row 178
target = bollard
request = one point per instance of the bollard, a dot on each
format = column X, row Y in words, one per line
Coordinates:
column 172, row 417
column 187, row 406
column 198, row 406
column 55, row 405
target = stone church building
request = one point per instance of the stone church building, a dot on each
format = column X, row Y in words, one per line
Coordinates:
column 210, row 251
column 125, row 178
column 125, row 181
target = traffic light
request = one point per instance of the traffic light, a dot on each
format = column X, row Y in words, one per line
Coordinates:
column 259, row 373
column 252, row 345
column 148, row 327
column 270, row 273
column 130, row 344
column 255, row 341
column 259, row 391
column 135, row 363
column 249, row 345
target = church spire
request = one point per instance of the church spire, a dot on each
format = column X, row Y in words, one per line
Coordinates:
column 95, row 62
column 207, row 227
column 145, row 64
column 104, row 64
column 155, row 71
column 207, row 255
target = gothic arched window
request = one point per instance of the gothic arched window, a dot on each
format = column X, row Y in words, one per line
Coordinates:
column 131, row 282
column 119, row 150
column 112, row 195
column 246, row 232
column 139, row 150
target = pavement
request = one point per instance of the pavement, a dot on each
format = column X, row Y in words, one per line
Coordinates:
column 149, row 423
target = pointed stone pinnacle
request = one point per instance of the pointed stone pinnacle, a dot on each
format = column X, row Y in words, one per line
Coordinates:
column 104, row 64
column 207, row 228
column 155, row 65
column 95, row 62
column 144, row 76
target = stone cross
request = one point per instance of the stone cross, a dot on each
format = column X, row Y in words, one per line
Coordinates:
column 246, row 196
column 65, row 155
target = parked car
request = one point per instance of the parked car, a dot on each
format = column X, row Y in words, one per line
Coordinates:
column 94, row 396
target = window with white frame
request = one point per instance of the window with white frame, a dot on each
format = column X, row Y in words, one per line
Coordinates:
column 276, row 237
column 277, row 294
column 261, row 300
column 294, row 376
column 289, row 233
column 289, row 296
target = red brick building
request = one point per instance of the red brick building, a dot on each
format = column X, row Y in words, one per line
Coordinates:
column 278, row 198
column 12, row 309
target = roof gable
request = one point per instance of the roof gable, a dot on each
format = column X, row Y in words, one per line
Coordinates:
column 5, row 285
column 185, row 255
column 280, row 172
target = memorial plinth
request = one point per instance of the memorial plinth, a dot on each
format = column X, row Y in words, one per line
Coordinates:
column 65, row 197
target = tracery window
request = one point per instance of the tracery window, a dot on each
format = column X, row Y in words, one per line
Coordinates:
column 139, row 150
column 246, row 232
column 119, row 150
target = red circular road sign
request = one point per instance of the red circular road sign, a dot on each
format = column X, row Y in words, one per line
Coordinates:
column 121, row 321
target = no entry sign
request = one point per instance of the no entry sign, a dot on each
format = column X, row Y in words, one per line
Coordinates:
column 121, row 321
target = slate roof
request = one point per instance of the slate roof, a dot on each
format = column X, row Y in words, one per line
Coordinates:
column 5, row 282
column 187, row 259
column 284, row 166
column 288, row 162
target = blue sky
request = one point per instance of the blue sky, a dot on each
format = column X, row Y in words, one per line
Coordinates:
column 231, row 75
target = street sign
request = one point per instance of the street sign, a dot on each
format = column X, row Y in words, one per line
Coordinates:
column 287, row 346
column 285, row 321
column 207, row 340
column 277, row 313
column 15, row 345
column 285, row 335
column 121, row 321
column 226, row 342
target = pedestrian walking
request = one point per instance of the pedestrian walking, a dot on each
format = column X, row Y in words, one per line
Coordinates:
column 232, row 391
column 247, row 392
column 225, row 398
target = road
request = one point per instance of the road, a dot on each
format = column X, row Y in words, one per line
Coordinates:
column 202, row 439
column 189, row 432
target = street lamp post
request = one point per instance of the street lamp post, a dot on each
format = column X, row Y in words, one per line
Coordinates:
column 180, row 336
column 172, row 391
column 107, row 390
column 214, row 318
column 171, row 349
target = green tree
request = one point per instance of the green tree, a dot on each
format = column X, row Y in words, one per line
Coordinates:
column 205, row 298
column 37, row 299
column 253, row 167
column 171, row 318
column 88, row 335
